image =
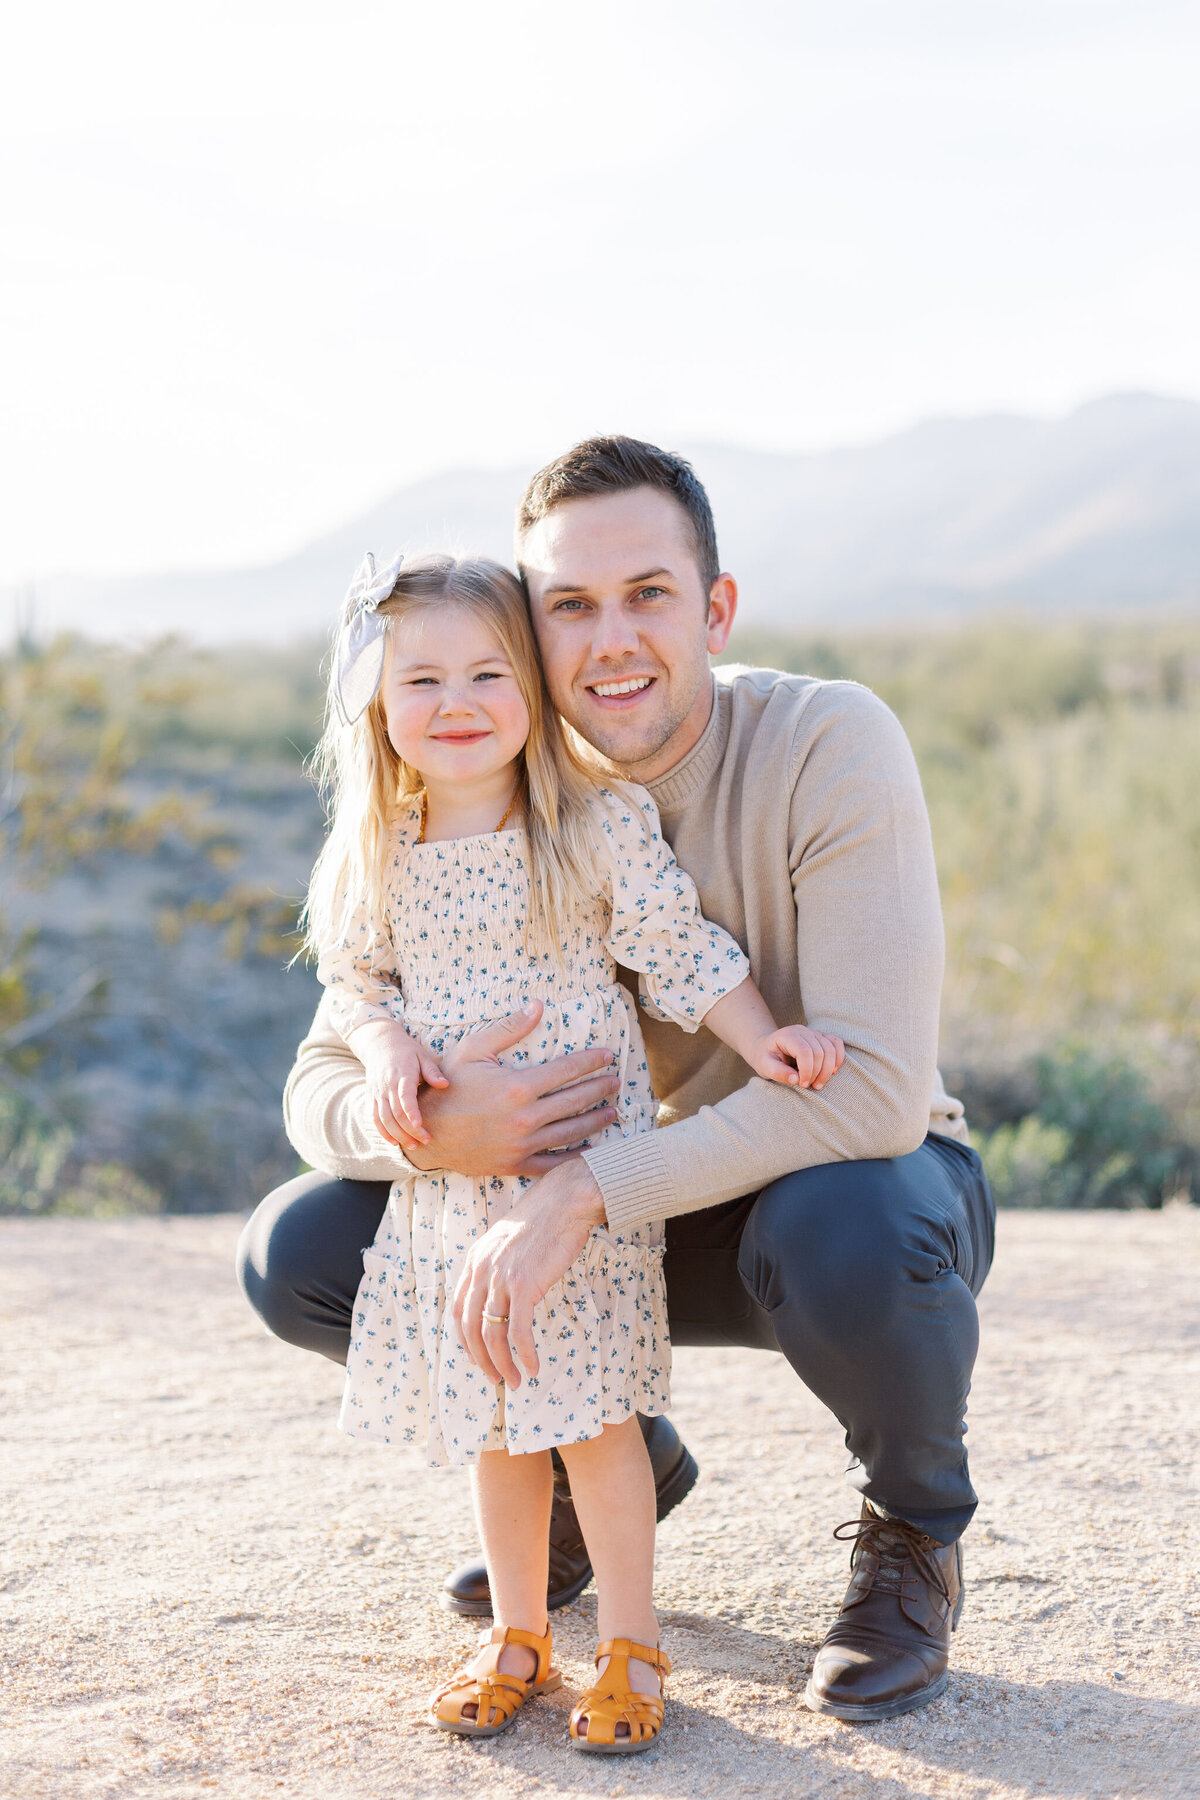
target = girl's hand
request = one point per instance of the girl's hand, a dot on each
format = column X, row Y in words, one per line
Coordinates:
column 797, row 1056
column 395, row 1066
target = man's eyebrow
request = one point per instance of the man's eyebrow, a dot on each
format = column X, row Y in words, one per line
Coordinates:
column 578, row 587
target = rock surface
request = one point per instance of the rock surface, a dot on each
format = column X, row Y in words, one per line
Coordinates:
column 205, row 1589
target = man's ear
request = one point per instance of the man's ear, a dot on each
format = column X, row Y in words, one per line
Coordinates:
column 722, row 609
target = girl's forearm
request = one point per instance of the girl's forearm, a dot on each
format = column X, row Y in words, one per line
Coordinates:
column 373, row 1034
column 740, row 1018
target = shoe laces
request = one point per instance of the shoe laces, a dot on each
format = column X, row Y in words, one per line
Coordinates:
column 894, row 1542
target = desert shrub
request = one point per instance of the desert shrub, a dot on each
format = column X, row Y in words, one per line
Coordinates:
column 1025, row 1162
column 1096, row 1139
column 33, row 1151
column 199, row 708
column 151, row 793
column 1069, row 857
column 42, row 1173
column 212, row 1155
column 107, row 1190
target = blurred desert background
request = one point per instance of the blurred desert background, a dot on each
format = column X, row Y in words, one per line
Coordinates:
column 1025, row 594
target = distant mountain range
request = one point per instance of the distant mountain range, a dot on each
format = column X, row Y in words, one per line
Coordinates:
column 1100, row 509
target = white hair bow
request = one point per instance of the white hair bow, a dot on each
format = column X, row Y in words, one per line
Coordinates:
column 362, row 640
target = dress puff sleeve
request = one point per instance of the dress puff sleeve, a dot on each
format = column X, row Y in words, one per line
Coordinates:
column 360, row 968
column 684, row 964
column 360, row 973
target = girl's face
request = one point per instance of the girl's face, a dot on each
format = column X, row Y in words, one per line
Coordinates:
column 450, row 695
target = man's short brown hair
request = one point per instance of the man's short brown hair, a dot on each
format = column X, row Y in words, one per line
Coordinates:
column 618, row 465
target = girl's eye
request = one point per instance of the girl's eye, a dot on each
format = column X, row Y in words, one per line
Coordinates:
column 422, row 681
column 490, row 675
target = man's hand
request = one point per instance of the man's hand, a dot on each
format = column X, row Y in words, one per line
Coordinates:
column 509, row 1269
column 497, row 1120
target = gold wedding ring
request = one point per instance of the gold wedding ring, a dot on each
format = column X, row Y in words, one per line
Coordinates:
column 496, row 1318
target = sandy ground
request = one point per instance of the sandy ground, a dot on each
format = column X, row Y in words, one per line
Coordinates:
column 206, row 1589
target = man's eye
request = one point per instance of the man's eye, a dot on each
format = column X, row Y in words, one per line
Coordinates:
column 650, row 593
column 569, row 606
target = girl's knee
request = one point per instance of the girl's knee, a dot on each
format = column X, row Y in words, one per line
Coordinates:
column 616, row 1436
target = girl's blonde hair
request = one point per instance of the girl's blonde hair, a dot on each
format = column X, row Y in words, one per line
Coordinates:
column 364, row 782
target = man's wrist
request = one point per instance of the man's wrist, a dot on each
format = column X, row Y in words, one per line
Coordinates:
column 588, row 1197
column 574, row 1191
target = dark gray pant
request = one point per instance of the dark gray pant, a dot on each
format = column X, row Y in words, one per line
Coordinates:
column 863, row 1274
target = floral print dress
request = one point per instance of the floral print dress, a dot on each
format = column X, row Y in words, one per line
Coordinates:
column 452, row 955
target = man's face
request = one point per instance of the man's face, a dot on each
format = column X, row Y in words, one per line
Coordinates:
column 624, row 625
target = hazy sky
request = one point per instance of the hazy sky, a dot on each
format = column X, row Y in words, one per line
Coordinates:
column 263, row 263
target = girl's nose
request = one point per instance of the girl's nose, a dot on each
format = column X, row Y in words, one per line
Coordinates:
column 457, row 703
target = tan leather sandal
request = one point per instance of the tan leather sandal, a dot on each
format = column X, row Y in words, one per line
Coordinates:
column 496, row 1697
column 612, row 1702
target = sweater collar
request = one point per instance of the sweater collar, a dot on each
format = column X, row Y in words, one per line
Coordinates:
column 680, row 785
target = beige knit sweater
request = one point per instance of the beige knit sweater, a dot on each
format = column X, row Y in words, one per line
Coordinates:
column 800, row 816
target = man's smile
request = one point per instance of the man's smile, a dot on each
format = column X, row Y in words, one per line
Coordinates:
column 621, row 693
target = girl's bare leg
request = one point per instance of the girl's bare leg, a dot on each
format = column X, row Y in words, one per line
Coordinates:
column 612, row 1486
column 512, row 1510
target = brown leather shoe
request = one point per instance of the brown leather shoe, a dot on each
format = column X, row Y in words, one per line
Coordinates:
column 888, row 1649
column 466, row 1590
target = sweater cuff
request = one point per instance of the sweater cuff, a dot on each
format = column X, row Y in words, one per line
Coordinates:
column 633, row 1179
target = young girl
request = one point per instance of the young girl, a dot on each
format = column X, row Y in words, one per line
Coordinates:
column 475, row 863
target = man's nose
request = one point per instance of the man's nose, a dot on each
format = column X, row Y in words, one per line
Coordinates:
column 614, row 635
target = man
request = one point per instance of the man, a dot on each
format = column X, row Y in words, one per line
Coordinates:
column 849, row 1228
